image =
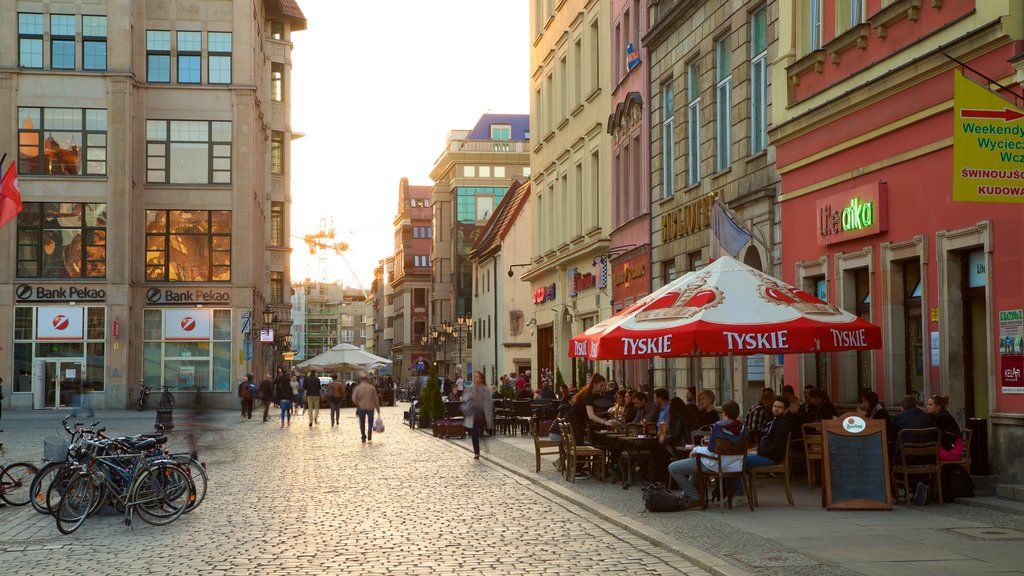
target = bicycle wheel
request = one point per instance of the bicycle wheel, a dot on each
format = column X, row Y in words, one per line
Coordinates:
column 140, row 404
column 197, row 474
column 76, row 502
column 161, row 493
column 52, row 472
column 15, row 480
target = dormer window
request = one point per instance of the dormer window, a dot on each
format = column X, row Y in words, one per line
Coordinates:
column 501, row 131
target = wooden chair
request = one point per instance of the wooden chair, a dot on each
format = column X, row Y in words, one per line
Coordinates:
column 522, row 412
column 580, row 453
column 542, row 446
column 502, row 416
column 812, row 451
column 767, row 472
column 964, row 460
column 918, row 450
column 705, row 475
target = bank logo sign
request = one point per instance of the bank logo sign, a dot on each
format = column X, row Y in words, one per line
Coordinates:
column 187, row 296
column 59, row 293
column 988, row 145
column 60, row 323
column 188, row 324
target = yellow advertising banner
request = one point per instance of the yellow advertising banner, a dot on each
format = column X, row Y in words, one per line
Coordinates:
column 988, row 145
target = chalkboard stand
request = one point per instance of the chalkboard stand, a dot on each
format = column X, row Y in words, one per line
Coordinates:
column 855, row 464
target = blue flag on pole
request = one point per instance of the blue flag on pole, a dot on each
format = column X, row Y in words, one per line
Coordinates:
column 730, row 234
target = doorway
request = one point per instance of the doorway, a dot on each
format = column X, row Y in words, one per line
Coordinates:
column 975, row 333
column 60, row 384
column 545, row 351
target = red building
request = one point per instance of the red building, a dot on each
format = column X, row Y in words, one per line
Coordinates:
column 865, row 147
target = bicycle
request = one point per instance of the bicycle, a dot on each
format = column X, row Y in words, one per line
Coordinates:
column 57, row 472
column 140, row 404
column 15, row 480
column 166, row 398
column 198, row 400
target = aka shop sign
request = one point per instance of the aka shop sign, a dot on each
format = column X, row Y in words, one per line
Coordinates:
column 860, row 212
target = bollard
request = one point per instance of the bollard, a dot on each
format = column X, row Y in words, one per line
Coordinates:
column 164, row 419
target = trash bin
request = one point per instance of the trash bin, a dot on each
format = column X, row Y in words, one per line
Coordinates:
column 164, row 419
column 979, row 446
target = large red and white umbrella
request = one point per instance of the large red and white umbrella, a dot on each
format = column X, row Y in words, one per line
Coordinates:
column 725, row 308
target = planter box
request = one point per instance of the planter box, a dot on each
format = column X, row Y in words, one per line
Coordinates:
column 448, row 429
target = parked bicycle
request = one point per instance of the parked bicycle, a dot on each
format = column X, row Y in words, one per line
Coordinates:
column 140, row 404
column 166, row 398
column 15, row 480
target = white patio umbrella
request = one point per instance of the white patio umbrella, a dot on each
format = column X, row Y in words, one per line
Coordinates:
column 343, row 357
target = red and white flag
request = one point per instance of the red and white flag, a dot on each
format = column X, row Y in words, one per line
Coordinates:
column 10, row 196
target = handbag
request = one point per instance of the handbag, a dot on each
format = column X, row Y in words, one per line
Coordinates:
column 466, row 407
column 378, row 424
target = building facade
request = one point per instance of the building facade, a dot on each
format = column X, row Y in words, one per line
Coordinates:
column 410, row 281
column 500, row 329
column 876, row 103
column 570, row 157
column 710, row 104
column 151, row 165
column 470, row 177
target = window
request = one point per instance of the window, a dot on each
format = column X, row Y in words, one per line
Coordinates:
column 595, row 56
column 723, row 100
column 862, row 283
column 62, row 42
column 158, row 56
column 277, row 223
column 277, row 82
column 563, row 89
column 276, row 287
column 499, row 171
column 913, row 337
column 693, row 121
column 577, row 72
column 527, row 171
column 849, row 13
column 67, row 141
column 501, row 131
column 218, row 48
column 62, row 240
column 188, row 152
column 668, row 139
column 203, row 363
column 190, row 59
column 813, row 23
column 576, row 207
column 30, row 40
column 668, row 271
column 485, row 171
column 276, row 152
column 421, row 261
column 94, row 42
column 88, row 353
column 759, row 81
column 469, row 171
column 277, row 30
column 188, row 245
column 475, row 203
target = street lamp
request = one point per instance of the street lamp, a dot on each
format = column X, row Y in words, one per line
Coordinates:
column 268, row 321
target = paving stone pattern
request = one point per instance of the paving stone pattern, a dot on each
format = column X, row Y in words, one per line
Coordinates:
column 317, row 501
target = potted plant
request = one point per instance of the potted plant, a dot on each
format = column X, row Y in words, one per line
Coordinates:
column 559, row 382
column 431, row 405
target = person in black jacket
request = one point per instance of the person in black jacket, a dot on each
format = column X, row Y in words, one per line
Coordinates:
column 951, row 442
column 312, row 387
column 674, row 436
column 283, row 395
column 772, row 447
column 266, row 394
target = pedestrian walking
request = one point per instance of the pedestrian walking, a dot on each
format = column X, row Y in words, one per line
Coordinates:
column 336, row 393
column 296, row 393
column 245, row 394
column 312, row 387
column 266, row 394
column 283, row 392
column 478, row 407
column 364, row 396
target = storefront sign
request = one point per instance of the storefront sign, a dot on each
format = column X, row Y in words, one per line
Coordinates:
column 188, row 324
column 1012, row 374
column 544, row 294
column 854, row 214
column 60, row 323
column 59, row 293
column 1011, row 332
column 187, row 296
column 626, row 274
column 690, row 218
column 988, row 145
column 578, row 282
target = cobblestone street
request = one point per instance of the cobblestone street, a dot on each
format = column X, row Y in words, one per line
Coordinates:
column 316, row 501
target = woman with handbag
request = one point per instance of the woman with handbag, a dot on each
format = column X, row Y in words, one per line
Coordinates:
column 478, row 409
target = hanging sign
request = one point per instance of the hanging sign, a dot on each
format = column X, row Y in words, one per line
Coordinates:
column 852, row 214
column 188, row 324
column 60, row 323
column 988, row 145
column 1012, row 374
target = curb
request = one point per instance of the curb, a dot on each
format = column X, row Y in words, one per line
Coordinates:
column 699, row 558
column 993, row 503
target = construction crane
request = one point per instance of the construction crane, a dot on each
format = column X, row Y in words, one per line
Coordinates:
column 321, row 243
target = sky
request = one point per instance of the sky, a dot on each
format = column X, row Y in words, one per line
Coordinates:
column 376, row 92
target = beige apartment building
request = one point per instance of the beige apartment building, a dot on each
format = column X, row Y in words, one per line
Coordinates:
column 570, row 161
column 710, row 110
column 151, row 139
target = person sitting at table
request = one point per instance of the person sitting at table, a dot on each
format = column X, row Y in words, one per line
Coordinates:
column 729, row 428
column 951, row 441
column 640, row 409
column 910, row 418
column 660, row 407
column 619, row 406
column 526, row 393
column 772, row 447
column 669, row 440
column 759, row 415
column 820, row 407
column 629, row 410
column 691, row 395
column 706, row 413
column 875, row 410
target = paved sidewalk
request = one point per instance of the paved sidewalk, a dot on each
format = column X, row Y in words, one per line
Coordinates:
column 778, row 539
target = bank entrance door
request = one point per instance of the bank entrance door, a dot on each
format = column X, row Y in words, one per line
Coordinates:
column 60, row 385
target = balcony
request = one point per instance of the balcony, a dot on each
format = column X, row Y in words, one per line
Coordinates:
column 496, row 146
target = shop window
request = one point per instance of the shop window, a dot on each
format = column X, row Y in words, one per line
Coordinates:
column 188, row 245
column 188, row 152
column 62, row 141
column 203, row 363
column 88, row 353
column 913, row 337
column 62, row 240
column 862, row 281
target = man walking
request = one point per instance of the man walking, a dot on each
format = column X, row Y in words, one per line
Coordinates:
column 336, row 392
column 266, row 394
column 364, row 396
column 312, row 387
column 246, row 392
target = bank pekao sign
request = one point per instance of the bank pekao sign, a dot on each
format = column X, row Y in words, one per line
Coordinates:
column 862, row 211
column 187, row 296
column 59, row 293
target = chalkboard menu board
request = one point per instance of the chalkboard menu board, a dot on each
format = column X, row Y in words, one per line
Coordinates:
column 855, row 464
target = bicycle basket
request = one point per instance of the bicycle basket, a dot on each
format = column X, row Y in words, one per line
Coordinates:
column 55, row 449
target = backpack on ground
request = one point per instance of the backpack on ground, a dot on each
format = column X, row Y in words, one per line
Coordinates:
column 657, row 498
column 956, row 483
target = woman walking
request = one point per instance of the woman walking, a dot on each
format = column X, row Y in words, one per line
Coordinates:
column 283, row 393
column 478, row 406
